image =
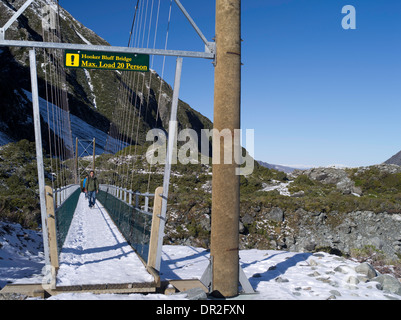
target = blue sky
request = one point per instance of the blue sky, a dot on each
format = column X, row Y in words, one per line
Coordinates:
column 314, row 93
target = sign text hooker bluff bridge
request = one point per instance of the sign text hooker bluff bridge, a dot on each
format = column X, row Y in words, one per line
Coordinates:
column 224, row 274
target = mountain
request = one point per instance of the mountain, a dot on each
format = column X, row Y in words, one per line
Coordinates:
column 395, row 159
column 92, row 94
column 277, row 167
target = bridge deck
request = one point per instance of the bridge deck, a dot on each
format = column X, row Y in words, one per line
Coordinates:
column 95, row 252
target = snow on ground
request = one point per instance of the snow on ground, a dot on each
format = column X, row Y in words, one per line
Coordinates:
column 95, row 252
column 88, row 77
column 280, row 274
column 21, row 254
column 83, row 38
column 281, row 187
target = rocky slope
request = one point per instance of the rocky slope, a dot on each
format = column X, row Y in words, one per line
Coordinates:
column 395, row 159
column 336, row 210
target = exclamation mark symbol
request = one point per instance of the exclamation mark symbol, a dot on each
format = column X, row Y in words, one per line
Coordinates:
column 72, row 59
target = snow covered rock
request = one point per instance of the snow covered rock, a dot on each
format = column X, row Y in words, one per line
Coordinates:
column 367, row 270
column 389, row 283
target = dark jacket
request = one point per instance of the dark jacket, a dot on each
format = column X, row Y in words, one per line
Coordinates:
column 92, row 184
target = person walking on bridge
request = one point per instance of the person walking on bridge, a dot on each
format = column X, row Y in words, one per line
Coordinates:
column 92, row 188
column 84, row 186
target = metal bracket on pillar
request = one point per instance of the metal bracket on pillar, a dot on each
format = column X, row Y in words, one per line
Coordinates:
column 207, row 276
column 210, row 46
column 207, row 279
column 245, row 284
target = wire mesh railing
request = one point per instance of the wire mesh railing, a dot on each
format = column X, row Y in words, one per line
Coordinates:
column 137, row 223
column 131, row 214
column 65, row 202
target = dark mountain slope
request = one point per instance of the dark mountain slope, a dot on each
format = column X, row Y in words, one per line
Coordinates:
column 92, row 94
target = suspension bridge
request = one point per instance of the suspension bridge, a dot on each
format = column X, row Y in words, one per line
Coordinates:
column 81, row 244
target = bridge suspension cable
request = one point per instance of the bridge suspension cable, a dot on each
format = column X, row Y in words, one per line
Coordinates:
column 132, row 106
column 135, row 96
column 61, row 147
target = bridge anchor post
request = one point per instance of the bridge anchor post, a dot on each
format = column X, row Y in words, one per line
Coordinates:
column 39, row 152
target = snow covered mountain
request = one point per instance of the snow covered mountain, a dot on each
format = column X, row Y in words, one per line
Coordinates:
column 92, row 94
column 277, row 167
column 82, row 130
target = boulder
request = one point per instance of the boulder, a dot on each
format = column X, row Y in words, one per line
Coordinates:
column 206, row 222
column 247, row 219
column 276, row 214
column 336, row 176
column 344, row 269
column 309, row 246
column 353, row 280
column 326, row 175
column 345, row 185
column 241, row 227
column 298, row 194
column 367, row 270
column 389, row 283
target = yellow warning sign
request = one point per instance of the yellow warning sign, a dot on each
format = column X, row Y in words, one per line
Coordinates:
column 106, row 60
column 72, row 60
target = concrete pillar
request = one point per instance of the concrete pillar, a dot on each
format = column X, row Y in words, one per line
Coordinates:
column 225, row 183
